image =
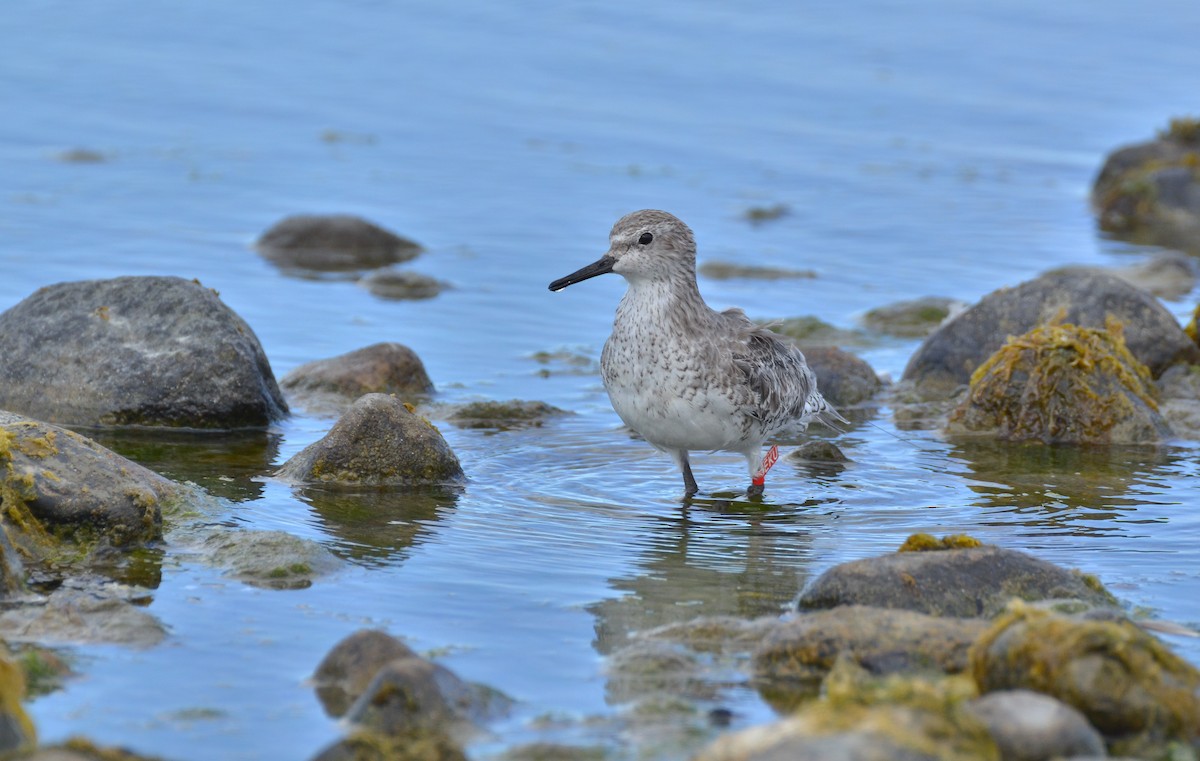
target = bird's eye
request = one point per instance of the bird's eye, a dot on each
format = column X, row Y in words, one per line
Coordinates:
column 646, row 238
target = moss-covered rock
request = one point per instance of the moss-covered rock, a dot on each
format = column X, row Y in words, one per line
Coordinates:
column 947, row 359
column 269, row 559
column 148, row 351
column 55, row 483
column 418, row 745
column 16, row 728
column 1150, row 192
column 810, row 331
column 515, row 413
column 332, row 243
column 793, row 660
column 966, row 582
column 1139, row 694
column 378, row 442
column 333, row 384
column 80, row 749
column 915, row 318
column 1063, row 384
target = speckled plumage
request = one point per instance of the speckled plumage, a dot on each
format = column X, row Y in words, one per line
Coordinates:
column 683, row 375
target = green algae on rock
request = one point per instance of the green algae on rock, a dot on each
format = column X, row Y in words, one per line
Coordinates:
column 928, row 543
column 1063, row 384
column 915, row 318
column 968, row 582
column 378, row 442
column 269, row 559
column 1131, row 687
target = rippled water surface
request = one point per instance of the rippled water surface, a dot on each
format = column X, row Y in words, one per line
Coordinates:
column 943, row 149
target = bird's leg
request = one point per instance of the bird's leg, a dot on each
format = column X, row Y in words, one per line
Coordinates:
column 759, row 468
column 689, row 481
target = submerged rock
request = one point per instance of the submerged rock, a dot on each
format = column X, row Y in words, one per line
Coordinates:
column 947, row 359
column 793, row 660
column 401, row 285
column 151, row 351
column 71, row 615
column 969, row 582
column 378, row 442
column 333, row 243
column 731, row 271
column 334, row 383
column 844, row 379
column 270, row 559
column 1135, row 691
column 810, row 331
column 67, row 484
column 915, row 318
column 1030, row 726
column 514, row 413
column 1150, row 192
column 1062, row 384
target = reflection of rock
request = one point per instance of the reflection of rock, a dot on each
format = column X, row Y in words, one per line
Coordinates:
column 69, row 483
column 157, row 351
column 331, row 385
column 1129, row 685
column 271, row 559
column 1030, row 726
column 1062, row 384
column 946, row 360
column 333, row 243
column 378, row 442
column 515, row 413
column 798, row 654
column 226, row 464
column 373, row 525
column 967, row 582
column 843, row 378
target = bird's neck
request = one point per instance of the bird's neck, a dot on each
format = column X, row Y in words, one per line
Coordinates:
column 663, row 301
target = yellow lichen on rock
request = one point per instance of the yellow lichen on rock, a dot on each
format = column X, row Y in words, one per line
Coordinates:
column 929, row 543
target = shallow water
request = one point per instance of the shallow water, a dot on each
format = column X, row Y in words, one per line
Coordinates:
column 944, row 150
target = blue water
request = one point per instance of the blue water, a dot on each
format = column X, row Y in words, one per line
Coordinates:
column 944, row 149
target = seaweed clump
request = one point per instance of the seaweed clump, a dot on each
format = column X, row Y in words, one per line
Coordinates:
column 928, row 543
column 1063, row 384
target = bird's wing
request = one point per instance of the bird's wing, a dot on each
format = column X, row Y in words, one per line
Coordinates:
column 780, row 386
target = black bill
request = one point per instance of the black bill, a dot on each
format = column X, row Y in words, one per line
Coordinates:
column 600, row 267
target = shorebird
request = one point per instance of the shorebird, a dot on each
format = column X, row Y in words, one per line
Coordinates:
column 685, row 376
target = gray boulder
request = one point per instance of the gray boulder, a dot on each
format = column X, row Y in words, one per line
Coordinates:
column 844, row 379
column 334, row 383
column 378, row 442
column 148, row 351
column 1030, row 726
column 948, row 357
column 333, row 243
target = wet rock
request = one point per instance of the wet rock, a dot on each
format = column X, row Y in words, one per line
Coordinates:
column 844, row 379
column 16, row 728
column 333, row 243
column 503, row 416
column 150, row 351
column 865, row 719
column 758, row 214
column 1062, row 384
column 810, row 331
column 269, row 559
column 363, row 745
column 733, row 271
column 412, row 694
column 547, row 751
column 915, row 318
column 968, row 582
column 333, row 384
column 946, row 360
column 794, row 659
column 81, row 749
column 818, row 450
column 401, row 285
column 70, row 615
column 1030, row 726
column 1150, row 192
column 346, row 671
column 1135, row 691
column 1169, row 275
column 81, row 156
column 716, row 634
column 64, row 483
column 378, row 442
column 648, row 669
